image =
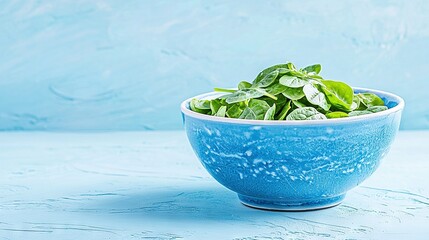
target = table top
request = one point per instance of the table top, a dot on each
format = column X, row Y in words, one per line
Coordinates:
column 150, row 185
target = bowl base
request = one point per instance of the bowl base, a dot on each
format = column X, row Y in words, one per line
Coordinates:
column 287, row 205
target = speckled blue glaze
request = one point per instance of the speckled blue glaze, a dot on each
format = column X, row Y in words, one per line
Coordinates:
column 293, row 165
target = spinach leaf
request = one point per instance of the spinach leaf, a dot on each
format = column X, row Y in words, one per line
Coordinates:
column 298, row 104
column 246, row 94
column 281, row 68
column 267, row 79
column 283, row 71
column 200, row 106
column 316, row 68
column 276, row 89
column 280, row 102
column 215, row 105
column 305, row 113
column 269, row 115
column 293, row 93
column 358, row 113
column 248, row 114
column 355, row 104
column 336, row 115
column 375, row 109
column 244, row 85
column 369, row 110
column 315, row 96
column 290, row 93
column 285, row 110
column 370, row 99
column 234, row 112
column 259, row 107
column 243, row 95
column 292, row 81
column 340, row 95
column 221, row 112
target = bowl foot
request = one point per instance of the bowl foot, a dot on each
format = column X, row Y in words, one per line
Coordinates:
column 288, row 205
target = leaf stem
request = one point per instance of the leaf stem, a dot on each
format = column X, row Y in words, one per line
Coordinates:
column 224, row 90
column 270, row 96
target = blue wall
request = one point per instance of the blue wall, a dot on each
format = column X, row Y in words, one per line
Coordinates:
column 124, row 65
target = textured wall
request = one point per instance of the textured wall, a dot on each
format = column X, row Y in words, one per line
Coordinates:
column 124, row 65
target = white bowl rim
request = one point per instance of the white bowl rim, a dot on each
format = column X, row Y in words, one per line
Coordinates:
column 398, row 107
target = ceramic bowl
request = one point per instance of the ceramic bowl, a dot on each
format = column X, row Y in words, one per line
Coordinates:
column 293, row 165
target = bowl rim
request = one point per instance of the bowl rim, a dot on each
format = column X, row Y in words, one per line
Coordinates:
column 400, row 106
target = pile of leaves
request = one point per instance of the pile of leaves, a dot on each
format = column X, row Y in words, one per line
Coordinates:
column 283, row 92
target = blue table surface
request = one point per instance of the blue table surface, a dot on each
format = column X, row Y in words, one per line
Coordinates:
column 150, row 185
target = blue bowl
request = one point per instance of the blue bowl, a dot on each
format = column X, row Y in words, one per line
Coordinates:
column 293, row 165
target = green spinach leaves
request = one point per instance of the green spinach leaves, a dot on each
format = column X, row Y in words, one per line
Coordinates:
column 283, row 92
